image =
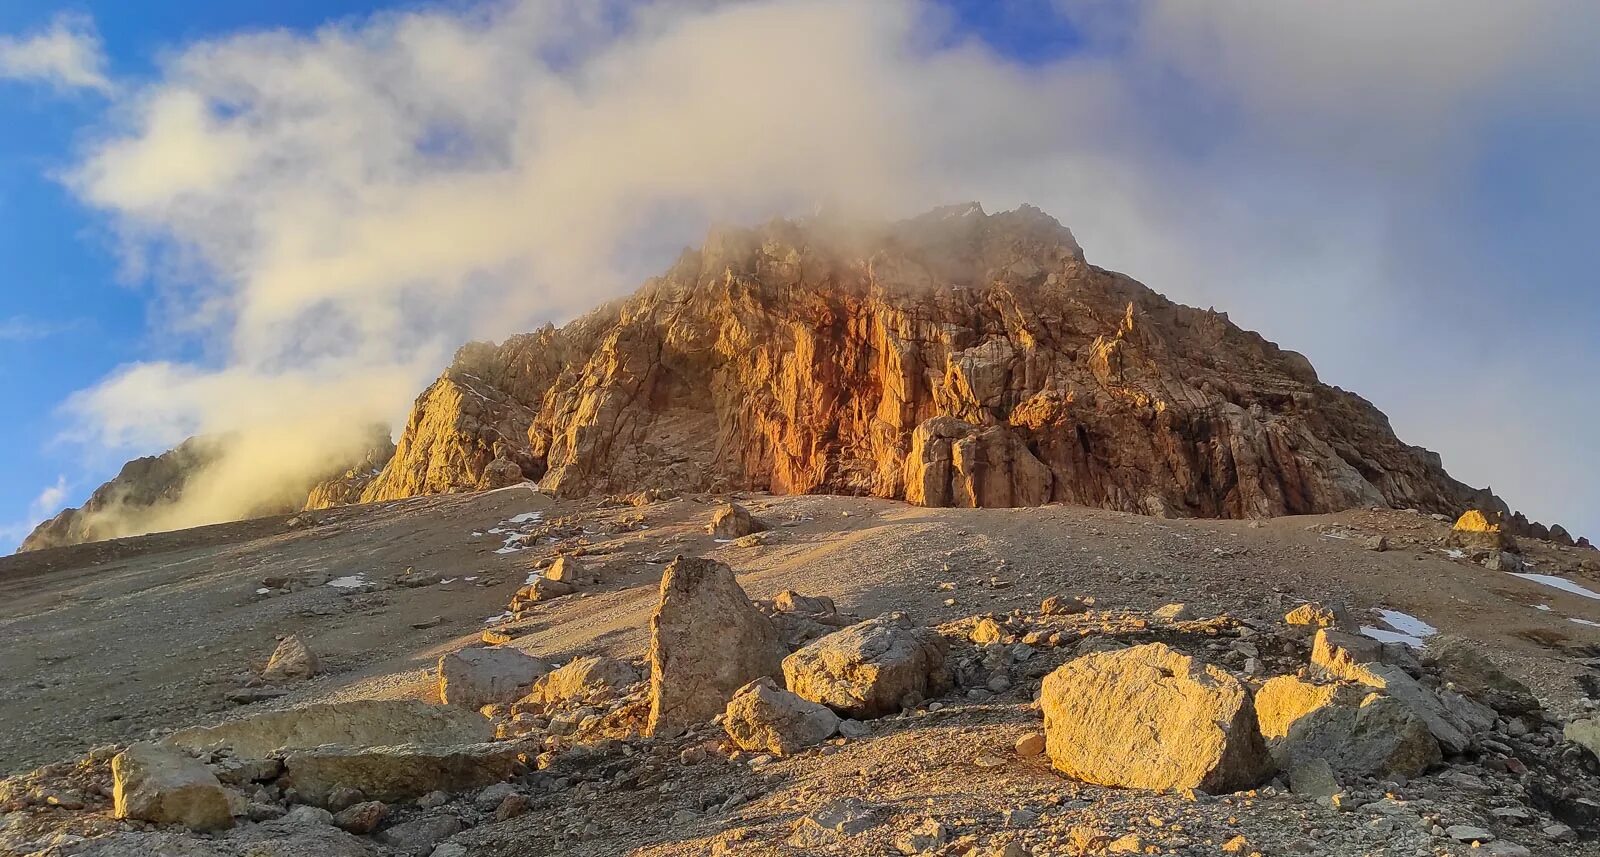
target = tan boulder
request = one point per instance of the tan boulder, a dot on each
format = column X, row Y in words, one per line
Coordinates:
column 1351, row 727
column 292, row 659
column 362, row 722
column 480, row 675
column 164, row 785
column 732, row 521
column 1153, row 718
column 499, row 473
column 584, row 679
column 571, row 571
column 400, row 772
column 706, row 641
column 1341, row 655
column 871, row 668
column 1477, row 530
column 1316, row 615
column 763, row 717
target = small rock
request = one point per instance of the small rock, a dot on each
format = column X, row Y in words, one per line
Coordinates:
column 1030, row 745
column 362, row 818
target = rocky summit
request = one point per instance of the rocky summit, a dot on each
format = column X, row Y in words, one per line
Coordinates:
column 958, row 358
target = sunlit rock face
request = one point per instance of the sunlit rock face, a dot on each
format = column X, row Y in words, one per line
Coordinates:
column 958, row 358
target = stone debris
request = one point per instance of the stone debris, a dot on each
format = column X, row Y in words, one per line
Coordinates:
column 732, row 521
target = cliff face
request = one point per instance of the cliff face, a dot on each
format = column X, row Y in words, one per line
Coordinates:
column 958, row 358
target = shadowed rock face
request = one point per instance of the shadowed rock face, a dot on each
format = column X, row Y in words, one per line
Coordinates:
column 957, row 358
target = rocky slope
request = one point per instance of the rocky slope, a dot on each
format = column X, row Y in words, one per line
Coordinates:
column 133, row 502
column 956, row 359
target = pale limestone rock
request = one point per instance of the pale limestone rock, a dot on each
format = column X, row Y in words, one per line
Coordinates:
column 1150, row 717
column 732, row 521
column 706, row 641
column 584, row 679
column 164, row 785
column 1348, row 726
column 571, row 571
column 364, row 722
column 477, row 676
column 398, row 772
column 292, row 659
column 763, row 717
column 871, row 668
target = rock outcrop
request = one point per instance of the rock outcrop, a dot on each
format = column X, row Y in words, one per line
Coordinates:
column 706, row 641
column 1152, row 718
column 957, row 358
column 871, row 668
column 163, row 785
column 954, row 359
column 763, row 717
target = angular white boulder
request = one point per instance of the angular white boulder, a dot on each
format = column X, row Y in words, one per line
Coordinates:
column 475, row 677
column 164, row 785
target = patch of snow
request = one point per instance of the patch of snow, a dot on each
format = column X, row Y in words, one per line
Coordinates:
column 263, row 591
column 723, row 541
column 349, row 581
column 532, row 576
column 511, row 547
column 1544, row 607
column 470, row 579
column 476, row 534
column 503, row 617
column 1453, row 553
column 447, row 580
column 1560, row 583
column 526, row 518
column 1405, row 623
column 1384, row 636
column 1584, row 622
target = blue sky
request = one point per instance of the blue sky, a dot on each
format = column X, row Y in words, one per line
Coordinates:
column 276, row 217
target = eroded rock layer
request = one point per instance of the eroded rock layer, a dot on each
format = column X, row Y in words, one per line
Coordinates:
column 958, row 358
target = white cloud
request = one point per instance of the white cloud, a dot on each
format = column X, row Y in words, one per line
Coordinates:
column 350, row 204
column 67, row 54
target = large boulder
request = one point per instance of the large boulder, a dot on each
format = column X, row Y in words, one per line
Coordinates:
column 291, row 660
column 1476, row 530
column 1153, row 718
column 364, row 722
column 764, row 717
column 706, row 641
column 397, row 773
column 1351, row 727
column 164, row 785
column 477, row 676
column 1462, row 664
column 499, row 473
column 571, row 571
column 584, row 679
column 871, row 668
column 1453, row 719
column 732, row 521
